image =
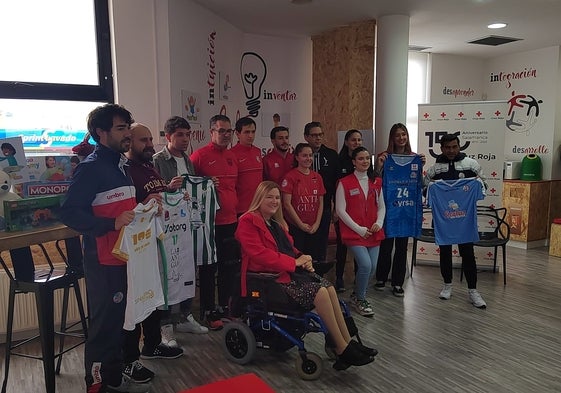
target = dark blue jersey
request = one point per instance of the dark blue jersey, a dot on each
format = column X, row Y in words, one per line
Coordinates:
column 454, row 210
column 402, row 187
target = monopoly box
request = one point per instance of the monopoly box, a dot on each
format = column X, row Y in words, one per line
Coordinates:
column 37, row 189
column 31, row 213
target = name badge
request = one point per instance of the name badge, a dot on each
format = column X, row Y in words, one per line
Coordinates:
column 354, row 191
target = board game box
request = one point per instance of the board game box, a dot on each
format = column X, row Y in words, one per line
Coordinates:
column 29, row 213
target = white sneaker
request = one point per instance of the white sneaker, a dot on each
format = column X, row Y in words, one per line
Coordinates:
column 190, row 325
column 476, row 299
column 168, row 337
column 446, row 292
column 364, row 308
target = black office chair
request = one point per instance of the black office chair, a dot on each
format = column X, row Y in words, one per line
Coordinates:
column 43, row 283
column 427, row 236
column 494, row 232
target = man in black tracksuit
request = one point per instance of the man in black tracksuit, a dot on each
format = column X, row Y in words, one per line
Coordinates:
column 454, row 165
column 326, row 163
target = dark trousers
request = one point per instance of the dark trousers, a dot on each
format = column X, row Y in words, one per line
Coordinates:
column 468, row 263
column 323, row 235
column 399, row 266
column 174, row 314
column 150, row 327
column 106, row 287
column 225, row 270
column 340, row 254
column 313, row 244
column 309, row 244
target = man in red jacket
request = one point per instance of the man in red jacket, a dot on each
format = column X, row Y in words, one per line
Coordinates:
column 250, row 165
column 279, row 161
column 216, row 161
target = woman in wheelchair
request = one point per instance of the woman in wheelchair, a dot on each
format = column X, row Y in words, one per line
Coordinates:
column 267, row 247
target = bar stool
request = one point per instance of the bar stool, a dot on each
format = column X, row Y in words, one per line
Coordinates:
column 43, row 284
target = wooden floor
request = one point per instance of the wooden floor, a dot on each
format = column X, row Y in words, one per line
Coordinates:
column 426, row 344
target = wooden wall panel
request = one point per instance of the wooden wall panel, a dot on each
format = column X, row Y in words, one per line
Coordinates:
column 343, row 79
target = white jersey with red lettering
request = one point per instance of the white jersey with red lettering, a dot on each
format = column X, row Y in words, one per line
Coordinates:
column 137, row 245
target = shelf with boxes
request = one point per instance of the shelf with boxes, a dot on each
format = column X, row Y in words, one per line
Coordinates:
column 527, row 204
column 531, row 207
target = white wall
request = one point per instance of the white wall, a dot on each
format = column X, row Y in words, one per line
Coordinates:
column 163, row 48
column 456, row 79
column 202, row 46
column 556, row 159
column 418, row 91
column 287, row 88
column 135, row 48
column 534, row 73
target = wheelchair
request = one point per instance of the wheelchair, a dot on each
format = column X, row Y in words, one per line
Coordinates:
column 267, row 318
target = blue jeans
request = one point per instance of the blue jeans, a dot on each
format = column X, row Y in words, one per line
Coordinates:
column 366, row 259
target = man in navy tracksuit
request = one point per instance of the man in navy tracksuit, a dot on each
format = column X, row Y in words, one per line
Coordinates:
column 99, row 202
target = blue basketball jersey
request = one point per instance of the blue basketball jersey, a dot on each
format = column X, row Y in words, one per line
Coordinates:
column 402, row 187
column 454, row 210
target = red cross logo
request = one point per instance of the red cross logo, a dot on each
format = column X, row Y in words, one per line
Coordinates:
column 455, row 252
column 426, row 115
column 489, row 254
column 461, row 114
column 492, row 190
column 492, row 223
column 494, row 174
column 497, row 113
column 422, row 249
column 478, row 113
column 443, row 114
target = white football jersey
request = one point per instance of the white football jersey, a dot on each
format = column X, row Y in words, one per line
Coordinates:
column 179, row 265
column 137, row 244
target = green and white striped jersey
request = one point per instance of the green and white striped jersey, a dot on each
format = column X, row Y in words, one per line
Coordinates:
column 202, row 207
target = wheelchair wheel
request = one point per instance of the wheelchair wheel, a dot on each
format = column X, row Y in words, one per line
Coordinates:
column 309, row 369
column 239, row 342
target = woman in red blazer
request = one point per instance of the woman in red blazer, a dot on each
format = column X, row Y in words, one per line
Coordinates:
column 267, row 247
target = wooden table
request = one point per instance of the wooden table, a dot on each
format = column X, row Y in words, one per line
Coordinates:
column 11, row 240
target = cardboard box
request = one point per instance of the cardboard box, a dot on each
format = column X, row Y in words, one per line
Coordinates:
column 45, row 168
column 31, row 213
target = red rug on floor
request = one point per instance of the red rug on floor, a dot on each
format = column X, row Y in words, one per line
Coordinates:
column 241, row 384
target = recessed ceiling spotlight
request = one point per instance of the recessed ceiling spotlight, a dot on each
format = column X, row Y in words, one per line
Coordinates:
column 498, row 25
column 300, row 2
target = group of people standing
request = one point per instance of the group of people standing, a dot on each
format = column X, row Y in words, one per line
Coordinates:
column 313, row 184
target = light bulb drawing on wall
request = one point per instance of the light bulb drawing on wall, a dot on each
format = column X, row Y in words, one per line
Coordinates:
column 253, row 72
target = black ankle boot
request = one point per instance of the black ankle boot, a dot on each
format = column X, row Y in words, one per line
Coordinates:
column 367, row 350
column 354, row 356
column 339, row 365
